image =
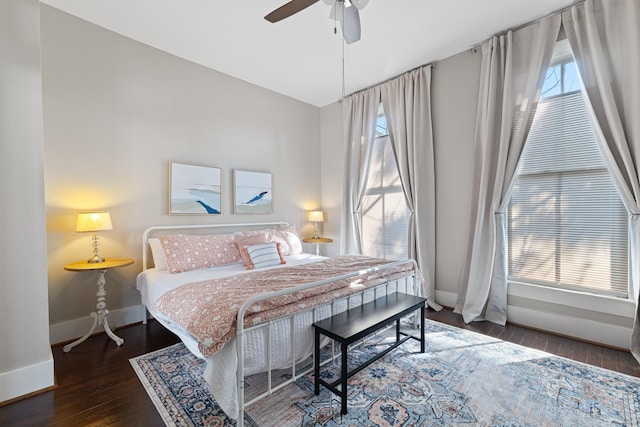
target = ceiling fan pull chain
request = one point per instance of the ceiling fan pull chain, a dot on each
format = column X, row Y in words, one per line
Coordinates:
column 335, row 19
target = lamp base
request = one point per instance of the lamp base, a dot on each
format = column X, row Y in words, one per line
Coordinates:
column 95, row 245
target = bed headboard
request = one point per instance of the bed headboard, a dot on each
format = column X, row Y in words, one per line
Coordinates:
column 158, row 230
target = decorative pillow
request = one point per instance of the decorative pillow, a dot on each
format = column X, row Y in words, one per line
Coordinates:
column 263, row 255
column 291, row 239
column 287, row 236
column 244, row 241
column 186, row 252
column 157, row 252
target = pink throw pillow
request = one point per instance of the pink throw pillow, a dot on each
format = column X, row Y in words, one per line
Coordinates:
column 190, row 252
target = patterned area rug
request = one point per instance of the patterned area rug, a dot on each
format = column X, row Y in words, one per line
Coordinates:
column 464, row 378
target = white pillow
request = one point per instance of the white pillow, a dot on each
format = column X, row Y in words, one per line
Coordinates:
column 157, row 251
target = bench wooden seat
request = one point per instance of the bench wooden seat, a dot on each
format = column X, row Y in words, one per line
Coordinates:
column 356, row 323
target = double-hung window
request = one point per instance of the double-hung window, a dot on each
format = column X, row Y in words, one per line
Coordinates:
column 567, row 226
column 385, row 216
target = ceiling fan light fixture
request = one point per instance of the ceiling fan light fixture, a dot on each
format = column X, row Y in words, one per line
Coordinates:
column 360, row 4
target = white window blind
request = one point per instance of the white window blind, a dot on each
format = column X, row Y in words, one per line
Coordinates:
column 385, row 217
column 567, row 226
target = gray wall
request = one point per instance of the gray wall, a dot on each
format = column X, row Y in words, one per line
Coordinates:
column 26, row 364
column 332, row 160
column 455, row 85
column 116, row 112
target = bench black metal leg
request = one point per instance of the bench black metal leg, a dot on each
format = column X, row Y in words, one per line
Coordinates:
column 422, row 313
column 398, row 330
column 316, row 362
column 343, row 377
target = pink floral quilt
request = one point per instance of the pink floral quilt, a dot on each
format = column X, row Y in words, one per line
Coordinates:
column 208, row 310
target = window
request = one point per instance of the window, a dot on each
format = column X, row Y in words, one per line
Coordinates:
column 567, row 226
column 385, row 216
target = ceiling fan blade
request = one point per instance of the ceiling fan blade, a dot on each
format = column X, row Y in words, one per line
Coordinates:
column 288, row 9
column 351, row 25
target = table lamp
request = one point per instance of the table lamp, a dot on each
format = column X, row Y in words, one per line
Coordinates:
column 94, row 222
column 316, row 217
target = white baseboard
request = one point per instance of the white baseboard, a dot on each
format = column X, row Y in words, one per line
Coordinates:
column 26, row 380
column 572, row 326
column 574, row 323
column 72, row 329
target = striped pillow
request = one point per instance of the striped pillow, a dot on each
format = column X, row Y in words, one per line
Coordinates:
column 263, row 255
column 254, row 239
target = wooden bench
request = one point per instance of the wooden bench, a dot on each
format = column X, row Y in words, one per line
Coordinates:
column 356, row 323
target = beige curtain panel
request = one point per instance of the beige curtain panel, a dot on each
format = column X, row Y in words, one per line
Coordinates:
column 512, row 73
column 605, row 40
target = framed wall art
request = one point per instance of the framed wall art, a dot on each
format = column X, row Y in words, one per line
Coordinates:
column 253, row 192
column 194, row 189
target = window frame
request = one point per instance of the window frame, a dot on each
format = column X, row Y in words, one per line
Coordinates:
column 382, row 136
column 563, row 61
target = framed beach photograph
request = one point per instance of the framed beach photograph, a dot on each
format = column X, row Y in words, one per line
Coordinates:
column 194, row 189
column 253, row 192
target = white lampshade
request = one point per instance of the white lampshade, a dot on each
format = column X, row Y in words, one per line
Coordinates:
column 93, row 221
column 316, row 216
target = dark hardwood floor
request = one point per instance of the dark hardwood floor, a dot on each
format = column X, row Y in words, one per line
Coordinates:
column 96, row 385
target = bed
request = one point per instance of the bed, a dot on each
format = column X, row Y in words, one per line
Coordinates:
column 242, row 320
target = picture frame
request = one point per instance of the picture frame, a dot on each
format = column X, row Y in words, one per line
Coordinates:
column 252, row 192
column 194, row 189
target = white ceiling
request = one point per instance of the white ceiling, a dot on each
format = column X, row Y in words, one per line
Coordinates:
column 300, row 56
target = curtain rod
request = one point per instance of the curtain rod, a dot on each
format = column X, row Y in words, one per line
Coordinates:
column 535, row 21
column 388, row 80
column 472, row 48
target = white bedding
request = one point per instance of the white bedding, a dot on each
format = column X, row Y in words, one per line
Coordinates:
column 220, row 372
column 153, row 283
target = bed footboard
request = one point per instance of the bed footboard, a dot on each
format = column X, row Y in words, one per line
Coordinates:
column 409, row 283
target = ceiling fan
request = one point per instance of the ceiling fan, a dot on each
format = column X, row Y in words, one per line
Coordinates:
column 345, row 11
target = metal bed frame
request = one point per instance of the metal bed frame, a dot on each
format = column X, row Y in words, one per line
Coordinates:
column 408, row 284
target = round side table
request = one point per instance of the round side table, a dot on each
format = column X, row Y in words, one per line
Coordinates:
column 317, row 241
column 100, row 315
